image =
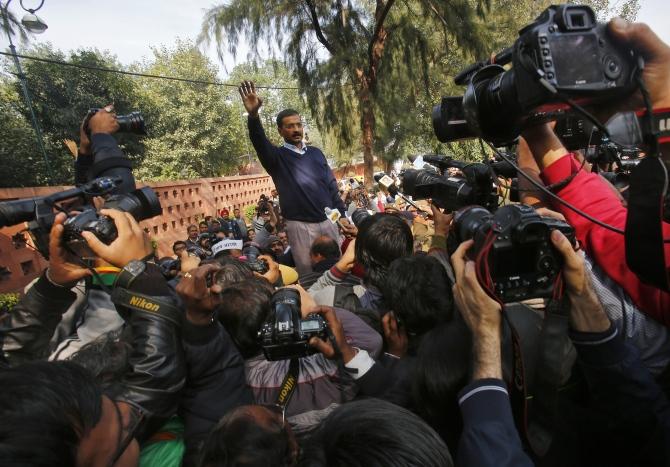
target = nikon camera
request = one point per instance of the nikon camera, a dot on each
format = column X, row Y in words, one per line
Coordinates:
column 516, row 246
column 285, row 335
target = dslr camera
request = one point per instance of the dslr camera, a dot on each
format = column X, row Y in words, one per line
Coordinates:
column 564, row 54
column 285, row 335
column 513, row 253
column 39, row 213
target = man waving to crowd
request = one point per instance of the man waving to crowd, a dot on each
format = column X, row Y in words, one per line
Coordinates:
column 300, row 173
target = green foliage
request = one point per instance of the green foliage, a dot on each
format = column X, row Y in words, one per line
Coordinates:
column 195, row 129
column 249, row 212
column 8, row 301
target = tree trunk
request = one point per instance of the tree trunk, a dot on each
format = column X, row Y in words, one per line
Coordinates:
column 367, row 127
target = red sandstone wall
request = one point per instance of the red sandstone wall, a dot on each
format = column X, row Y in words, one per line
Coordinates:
column 184, row 202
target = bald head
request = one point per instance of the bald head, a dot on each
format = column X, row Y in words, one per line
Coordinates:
column 324, row 247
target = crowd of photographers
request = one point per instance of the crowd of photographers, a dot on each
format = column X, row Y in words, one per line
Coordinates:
column 395, row 349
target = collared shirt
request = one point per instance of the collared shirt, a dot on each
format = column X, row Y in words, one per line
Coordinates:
column 296, row 149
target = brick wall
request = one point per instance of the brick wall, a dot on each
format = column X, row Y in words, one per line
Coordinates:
column 184, row 202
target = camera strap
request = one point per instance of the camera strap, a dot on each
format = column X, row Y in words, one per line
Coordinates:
column 147, row 304
column 645, row 248
column 289, row 385
column 553, row 346
column 518, row 399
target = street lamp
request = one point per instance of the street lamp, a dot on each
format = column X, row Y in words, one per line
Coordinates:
column 35, row 25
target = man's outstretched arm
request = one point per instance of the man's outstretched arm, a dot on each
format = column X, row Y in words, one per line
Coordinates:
column 252, row 103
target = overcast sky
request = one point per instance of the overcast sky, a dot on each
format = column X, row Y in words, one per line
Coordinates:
column 128, row 28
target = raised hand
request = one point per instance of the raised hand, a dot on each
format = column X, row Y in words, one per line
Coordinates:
column 252, row 102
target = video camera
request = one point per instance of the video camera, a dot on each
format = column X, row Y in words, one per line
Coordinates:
column 39, row 213
column 546, row 73
column 476, row 185
column 513, row 253
column 285, row 335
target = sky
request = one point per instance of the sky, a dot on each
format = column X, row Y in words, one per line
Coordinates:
column 129, row 28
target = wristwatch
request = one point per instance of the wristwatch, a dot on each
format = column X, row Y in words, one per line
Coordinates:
column 129, row 273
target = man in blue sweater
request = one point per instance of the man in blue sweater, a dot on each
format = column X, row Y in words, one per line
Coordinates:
column 301, row 174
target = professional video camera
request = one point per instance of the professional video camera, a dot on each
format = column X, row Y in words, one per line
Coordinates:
column 476, row 185
column 130, row 123
column 514, row 256
column 39, row 213
column 546, row 72
column 285, row 335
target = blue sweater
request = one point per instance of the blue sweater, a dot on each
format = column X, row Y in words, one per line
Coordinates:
column 305, row 183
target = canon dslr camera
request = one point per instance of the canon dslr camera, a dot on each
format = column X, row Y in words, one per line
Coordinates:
column 285, row 335
column 513, row 252
column 564, row 54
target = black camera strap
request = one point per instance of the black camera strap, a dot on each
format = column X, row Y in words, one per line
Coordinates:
column 289, row 385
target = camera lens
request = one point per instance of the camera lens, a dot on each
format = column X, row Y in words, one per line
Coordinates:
column 411, row 179
column 359, row 215
column 132, row 123
column 141, row 204
column 468, row 221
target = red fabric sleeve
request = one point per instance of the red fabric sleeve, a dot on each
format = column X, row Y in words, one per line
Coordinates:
column 590, row 193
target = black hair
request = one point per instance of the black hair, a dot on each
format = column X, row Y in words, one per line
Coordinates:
column 106, row 358
column 418, row 291
column 244, row 308
column 374, row 433
column 202, row 223
column 381, row 239
column 232, row 270
column 178, row 242
column 238, row 439
column 442, row 368
column 326, row 247
column 46, row 409
column 285, row 113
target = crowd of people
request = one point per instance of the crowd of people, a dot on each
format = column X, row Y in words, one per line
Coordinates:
column 395, row 354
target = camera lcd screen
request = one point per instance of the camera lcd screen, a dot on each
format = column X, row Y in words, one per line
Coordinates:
column 311, row 325
column 572, row 55
column 515, row 261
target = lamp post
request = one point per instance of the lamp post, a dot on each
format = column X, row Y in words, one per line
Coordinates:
column 35, row 25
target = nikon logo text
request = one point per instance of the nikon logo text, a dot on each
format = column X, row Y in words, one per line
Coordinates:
column 144, row 304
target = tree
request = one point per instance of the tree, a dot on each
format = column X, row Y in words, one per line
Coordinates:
column 195, row 130
column 341, row 52
column 61, row 98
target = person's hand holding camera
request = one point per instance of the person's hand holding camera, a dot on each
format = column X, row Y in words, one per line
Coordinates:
column 104, row 121
column 326, row 347
column 480, row 312
column 131, row 243
column 586, row 312
column 252, row 102
column 273, row 274
column 346, row 263
column 62, row 270
column 348, row 229
column 307, row 303
column 656, row 54
column 442, row 221
column 189, row 261
column 199, row 299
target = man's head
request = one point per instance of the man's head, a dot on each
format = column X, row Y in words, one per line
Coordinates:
column 203, row 227
column 275, row 244
column 54, row 413
column 283, row 236
column 178, row 247
column 323, row 248
column 193, row 232
column 289, row 126
column 216, row 226
column 381, row 239
column 225, row 213
column 236, row 213
column 251, row 435
column 244, row 308
column 418, row 291
column 385, row 434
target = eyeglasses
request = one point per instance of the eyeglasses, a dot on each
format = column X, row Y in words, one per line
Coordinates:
column 277, row 409
column 126, row 433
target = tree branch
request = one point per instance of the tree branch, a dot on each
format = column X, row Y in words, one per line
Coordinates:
column 317, row 27
column 378, row 28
